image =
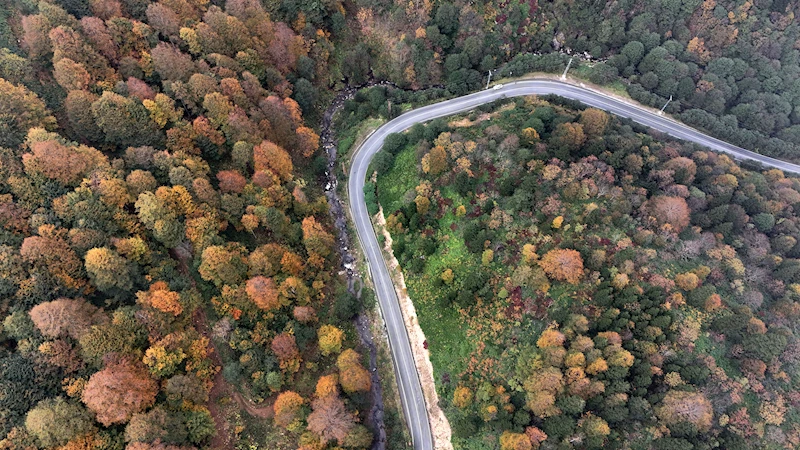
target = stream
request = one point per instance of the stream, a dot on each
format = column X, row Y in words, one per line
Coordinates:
column 339, row 217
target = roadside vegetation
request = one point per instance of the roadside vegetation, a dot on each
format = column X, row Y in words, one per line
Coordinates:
column 582, row 283
column 730, row 67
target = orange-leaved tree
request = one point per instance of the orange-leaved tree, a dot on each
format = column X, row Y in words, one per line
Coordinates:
column 120, row 390
column 352, row 375
column 315, row 238
column 287, row 408
column 269, row 156
column 263, row 292
column 160, row 297
column 563, row 265
column 671, row 211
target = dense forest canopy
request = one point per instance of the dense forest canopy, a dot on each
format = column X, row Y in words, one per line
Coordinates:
column 583, row 284
column 162, row 232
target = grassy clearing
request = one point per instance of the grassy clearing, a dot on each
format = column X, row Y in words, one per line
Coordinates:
column 445, row 331
column 392, row 186
column 444, row 328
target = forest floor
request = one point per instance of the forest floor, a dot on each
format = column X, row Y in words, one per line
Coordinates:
column 223, row 392
column 440, row 426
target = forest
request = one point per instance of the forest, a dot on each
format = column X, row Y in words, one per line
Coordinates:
column 163, row 232
column 584, row 283
column 731, row 67
column 166, row 245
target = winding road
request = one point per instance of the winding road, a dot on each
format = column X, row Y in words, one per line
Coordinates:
column 407, row 378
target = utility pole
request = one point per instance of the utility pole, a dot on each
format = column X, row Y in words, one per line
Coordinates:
column 564, row 75
column 489, row 79
column 661, row 113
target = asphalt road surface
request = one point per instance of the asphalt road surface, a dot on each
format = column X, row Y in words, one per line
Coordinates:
column 406, row 373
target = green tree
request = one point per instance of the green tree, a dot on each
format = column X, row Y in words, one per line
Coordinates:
column 125, row 123
column 54, row 422
column 223, row 265
column 305, row 94
column 109, row 271
column 20, row 110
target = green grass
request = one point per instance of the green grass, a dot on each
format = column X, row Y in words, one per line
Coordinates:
column 392, row 186
column 445, row 331
column 444, row 328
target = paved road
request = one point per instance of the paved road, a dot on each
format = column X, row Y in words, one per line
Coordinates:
column 407, row 378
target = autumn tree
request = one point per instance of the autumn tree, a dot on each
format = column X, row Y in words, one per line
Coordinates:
column 269, row 156
column 69, row 44
column 435, row 161
column 672, row 211
column 352, row 375
column 266, row 259
column 231, row 181
column 54, row 422
column 65, row 317
column 154, row 425
column 317, row 241
column 327, row 385
column 70, row 75
column 61, row 353
column 108, row 270
column 35, row 39
column 223, row 265
column 285, row 348
column 329, row 419
column 307, row 141
column 171, row 63
column 163, row 358
column 683, row 168
column 287, row 408
column 682, row 406
column 22, row 110
column 99, row 36
column 330, row 339
column 594, row 121
column 161, row 211
column 165, row 20
column 51, row 253
column 304, row 314
column 514, row 441
column 569, row 136
column 563, row 265
column 687, row 281
column 140, row 90
column 160, row 297
column 462, row 397
column 118, row 391
column 550, row 338
column 125, row 122
column 594, row 426
column 66, row 164
column 263, row 292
